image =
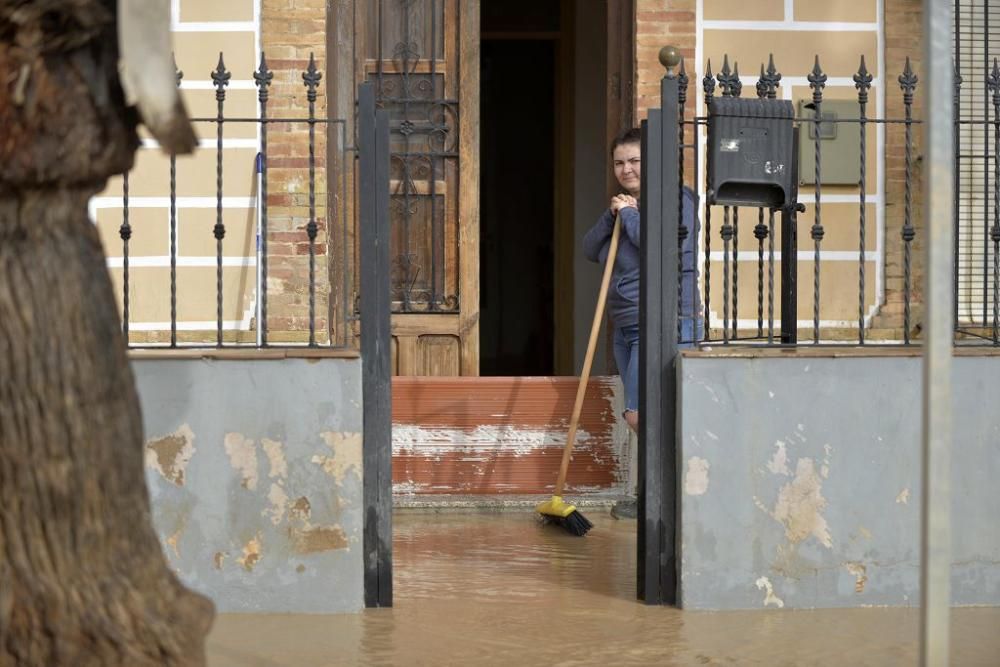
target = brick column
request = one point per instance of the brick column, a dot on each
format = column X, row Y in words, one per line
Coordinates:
column 658, row 23
column 290, row 31
column 903, row 37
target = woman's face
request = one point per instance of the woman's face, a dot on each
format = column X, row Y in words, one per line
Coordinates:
column 628, row 166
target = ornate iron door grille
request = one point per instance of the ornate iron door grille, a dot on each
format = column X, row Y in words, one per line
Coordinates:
column 411, row 57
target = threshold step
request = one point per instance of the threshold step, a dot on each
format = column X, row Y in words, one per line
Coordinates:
column 498, row 503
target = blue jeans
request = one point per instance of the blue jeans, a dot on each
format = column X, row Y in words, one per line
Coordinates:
column 627, row 358
column 626, row 344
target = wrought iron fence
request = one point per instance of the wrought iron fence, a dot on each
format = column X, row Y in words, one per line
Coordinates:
column 721, row 312
column 345, row 204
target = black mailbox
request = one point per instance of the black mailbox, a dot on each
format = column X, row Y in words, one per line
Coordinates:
column 751, row 156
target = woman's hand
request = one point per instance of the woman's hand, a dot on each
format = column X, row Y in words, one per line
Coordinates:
column 618, row 202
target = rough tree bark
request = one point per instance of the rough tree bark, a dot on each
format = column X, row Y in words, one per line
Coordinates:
column 83, row 579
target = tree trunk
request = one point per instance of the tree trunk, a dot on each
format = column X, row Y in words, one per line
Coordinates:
column 83, row 579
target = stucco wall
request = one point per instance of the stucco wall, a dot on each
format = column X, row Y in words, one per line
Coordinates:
column 254, row 470
column 801, row 482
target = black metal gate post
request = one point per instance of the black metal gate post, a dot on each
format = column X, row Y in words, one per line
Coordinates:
column 790, row 260
column 373, row 220
column 657, row 575
column 789, row 273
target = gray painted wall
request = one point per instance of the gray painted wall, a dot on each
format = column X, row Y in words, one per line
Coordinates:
column 591, row 165
column 254, row 470
column 801, row 482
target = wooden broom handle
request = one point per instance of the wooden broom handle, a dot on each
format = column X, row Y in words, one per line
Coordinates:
column 595, row 330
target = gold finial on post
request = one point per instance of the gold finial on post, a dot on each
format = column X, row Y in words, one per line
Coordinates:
column 670, row 58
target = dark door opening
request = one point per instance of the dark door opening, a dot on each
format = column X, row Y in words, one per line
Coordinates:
column 518, row 163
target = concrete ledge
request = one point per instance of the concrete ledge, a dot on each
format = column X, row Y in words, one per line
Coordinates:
column 497, row 503
column 243, row 354
column 827, row 351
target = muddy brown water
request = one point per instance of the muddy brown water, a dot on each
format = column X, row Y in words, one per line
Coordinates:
column 498, row 589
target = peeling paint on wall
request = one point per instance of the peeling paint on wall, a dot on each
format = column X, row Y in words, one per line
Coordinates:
column 800, row 506
column 275, row 452
column 169, row 455
column 242, row 454
column 696, row 476
column 251, row 553
column 300, row 509
column 173, row 539
column 346, row 455
column 219, row 559
column 279, row 501
column 859, row 571
column 904, row 497
column 319, row 538
column 779, row 460
column 764, row 584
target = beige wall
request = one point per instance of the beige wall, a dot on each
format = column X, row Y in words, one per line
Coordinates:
column 839, row 31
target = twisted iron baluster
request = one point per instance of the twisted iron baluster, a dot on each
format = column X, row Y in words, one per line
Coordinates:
column 125, row 231
column 863, row 82
column 262, row 79
column 760, row 233
column 311, row 78
column 220, row 77
column 708, row 86
column 907, row 82
column 771, row 80
column 173, row 232
column 736, row 268
column 736, row 89
column 731, row 86
column 993, row 81
column 817, row 81
column 770, row 276
column 727, row 236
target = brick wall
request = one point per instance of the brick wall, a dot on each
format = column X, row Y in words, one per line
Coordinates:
column 659, row 23
column 291, row 30
column 903, row 37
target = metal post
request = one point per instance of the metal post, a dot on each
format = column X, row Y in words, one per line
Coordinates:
column 939, row 188
column 790, row 259
column 650, row 269
column 659, row 280
column 373, row 169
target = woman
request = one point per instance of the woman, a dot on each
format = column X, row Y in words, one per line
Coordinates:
column 623, row 293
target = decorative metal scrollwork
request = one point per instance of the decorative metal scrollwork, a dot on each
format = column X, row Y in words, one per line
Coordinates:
column 424, row 129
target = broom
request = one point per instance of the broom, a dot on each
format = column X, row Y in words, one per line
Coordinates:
column 557, row 510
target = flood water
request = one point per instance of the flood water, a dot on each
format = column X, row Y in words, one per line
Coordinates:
column 499, row 589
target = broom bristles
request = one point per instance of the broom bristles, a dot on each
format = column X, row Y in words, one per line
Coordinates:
column 574, row 523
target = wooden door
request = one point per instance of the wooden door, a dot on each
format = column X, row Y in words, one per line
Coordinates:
column 423, row 56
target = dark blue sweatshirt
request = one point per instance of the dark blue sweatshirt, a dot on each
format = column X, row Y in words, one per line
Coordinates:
column 623, row 294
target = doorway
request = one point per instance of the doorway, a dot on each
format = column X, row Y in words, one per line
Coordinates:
column 549, row 92
column 519, row 160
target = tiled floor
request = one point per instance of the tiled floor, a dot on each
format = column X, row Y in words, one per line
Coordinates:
column 498, row 589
